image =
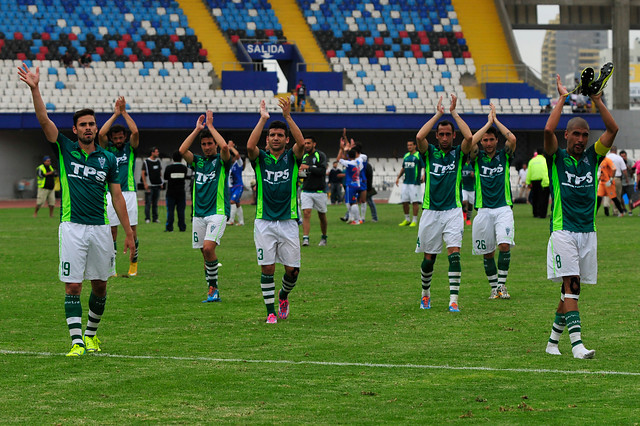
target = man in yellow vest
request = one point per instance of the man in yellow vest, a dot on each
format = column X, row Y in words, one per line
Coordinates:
column 46, row 184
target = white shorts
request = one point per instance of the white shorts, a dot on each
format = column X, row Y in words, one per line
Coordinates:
column 410, row 193
column 277, row 241
column 314, row 200
column 209, row 228
column 492, row 227
column 438, row 225
column 86, row 252
column 131, row 200
column 469, row 196
column 573, row 253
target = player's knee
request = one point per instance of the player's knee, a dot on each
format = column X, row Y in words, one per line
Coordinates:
column 306, row 213
column 294, row 273
column 574, row 285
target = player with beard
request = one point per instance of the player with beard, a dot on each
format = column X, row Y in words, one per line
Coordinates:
column 87, row 172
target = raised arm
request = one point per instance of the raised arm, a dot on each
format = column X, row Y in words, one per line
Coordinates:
column 104, row 130
column 252, row 143
column 464, row 128
column 298, row 148
column 611, row 127
column 550, row 139
column 477, row 136
column 134, row 138
column 33, row 79
column 184, row 148
column 421, row 137
column 235, row 155
column 220, row 142
column 341, row 151
column 510, row 143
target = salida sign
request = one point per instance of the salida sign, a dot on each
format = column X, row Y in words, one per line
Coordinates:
column 269, row 51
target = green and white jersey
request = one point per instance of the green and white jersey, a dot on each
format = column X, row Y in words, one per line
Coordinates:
column 493, row 183
column 126, row 158
column 84, row 182
column 412, row 164
column 443, row 178
column 210, row 186
column 276, row 180
column 468, row 181
column 574, row 186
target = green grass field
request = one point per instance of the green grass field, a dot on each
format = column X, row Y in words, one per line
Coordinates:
column 356, row 348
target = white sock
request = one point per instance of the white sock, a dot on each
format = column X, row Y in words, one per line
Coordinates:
column 239, row 215
column 233, row 213
column 407, row 217
column 579, row 351
column 363, row 211
column 552, row 349
column 415, row 219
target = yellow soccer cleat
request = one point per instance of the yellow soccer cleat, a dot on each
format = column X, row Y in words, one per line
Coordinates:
column 92, row 344
column 133, row 269
column 404, row 223
column 413, row 225
column 76, row 350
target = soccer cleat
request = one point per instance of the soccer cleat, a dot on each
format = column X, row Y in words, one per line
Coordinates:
column 133, row 269
column 355, row 222
column 305, row 241
column 494, row 293
column 76, row 350
column 404, row 223
column 230, row 222
column 581, row 352
column 425, row 302
column 283, row 308
column 502, row 292
column 597, row 86
column 586, row 77
column 91, row 344
column 453, row 307
column 344, row 218
column 552, row 349
column 213, row 296
column 271, row 319
column 413, row 225
column 323, row 242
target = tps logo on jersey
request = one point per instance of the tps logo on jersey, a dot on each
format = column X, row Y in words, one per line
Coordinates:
column 121, row 160
column 442, row 169
column 202, row 178
column 277, row 177
column 409, row 165
column 575, row 180
column 491, row 171
column 84, row 172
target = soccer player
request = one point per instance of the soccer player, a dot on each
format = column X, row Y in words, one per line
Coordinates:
column 276, row 227
column 237, row 187
column 362, row 160
column 314, row 166
column 412, row 167
column 572, row 249
column 351, row 180
column 210, row 195
column 494, row 223
column 468, row 190
column 114, row 139
column 87, row 172
column 442, row 209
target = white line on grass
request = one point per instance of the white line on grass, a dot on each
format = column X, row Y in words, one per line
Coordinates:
column 335, row 364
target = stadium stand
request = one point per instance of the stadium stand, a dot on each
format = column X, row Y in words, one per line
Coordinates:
column 396, row 56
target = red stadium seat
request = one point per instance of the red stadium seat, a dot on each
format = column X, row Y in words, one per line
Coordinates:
column 118, row 51
column 235, row 38
column 174, row 38
column 146, row 51
column 45, row 36
column 18, row 36
column 21, row 56
column 443, row 41
column 173, row 58
column 378, row 40
column 122, row 43
column 269, row 33
column 403, row 34
column 203, row 52
column 126, row 37
column 459, row 34
column 331, row 53
column 100, row 50
column 379, row 53
column 447, row 54
column 41, row 56
column 466, row 54
column 133, row 58
column 141, row 44
column 72, row 36
column 360, row 40
column 418, row 54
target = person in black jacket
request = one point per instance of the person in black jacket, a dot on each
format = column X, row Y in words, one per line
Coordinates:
column 313, row 169
column 175, row 175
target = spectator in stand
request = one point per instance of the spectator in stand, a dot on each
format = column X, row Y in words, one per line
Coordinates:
column 292, row 100
column 301, row 90
column 67, row 60
column 85, row 60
